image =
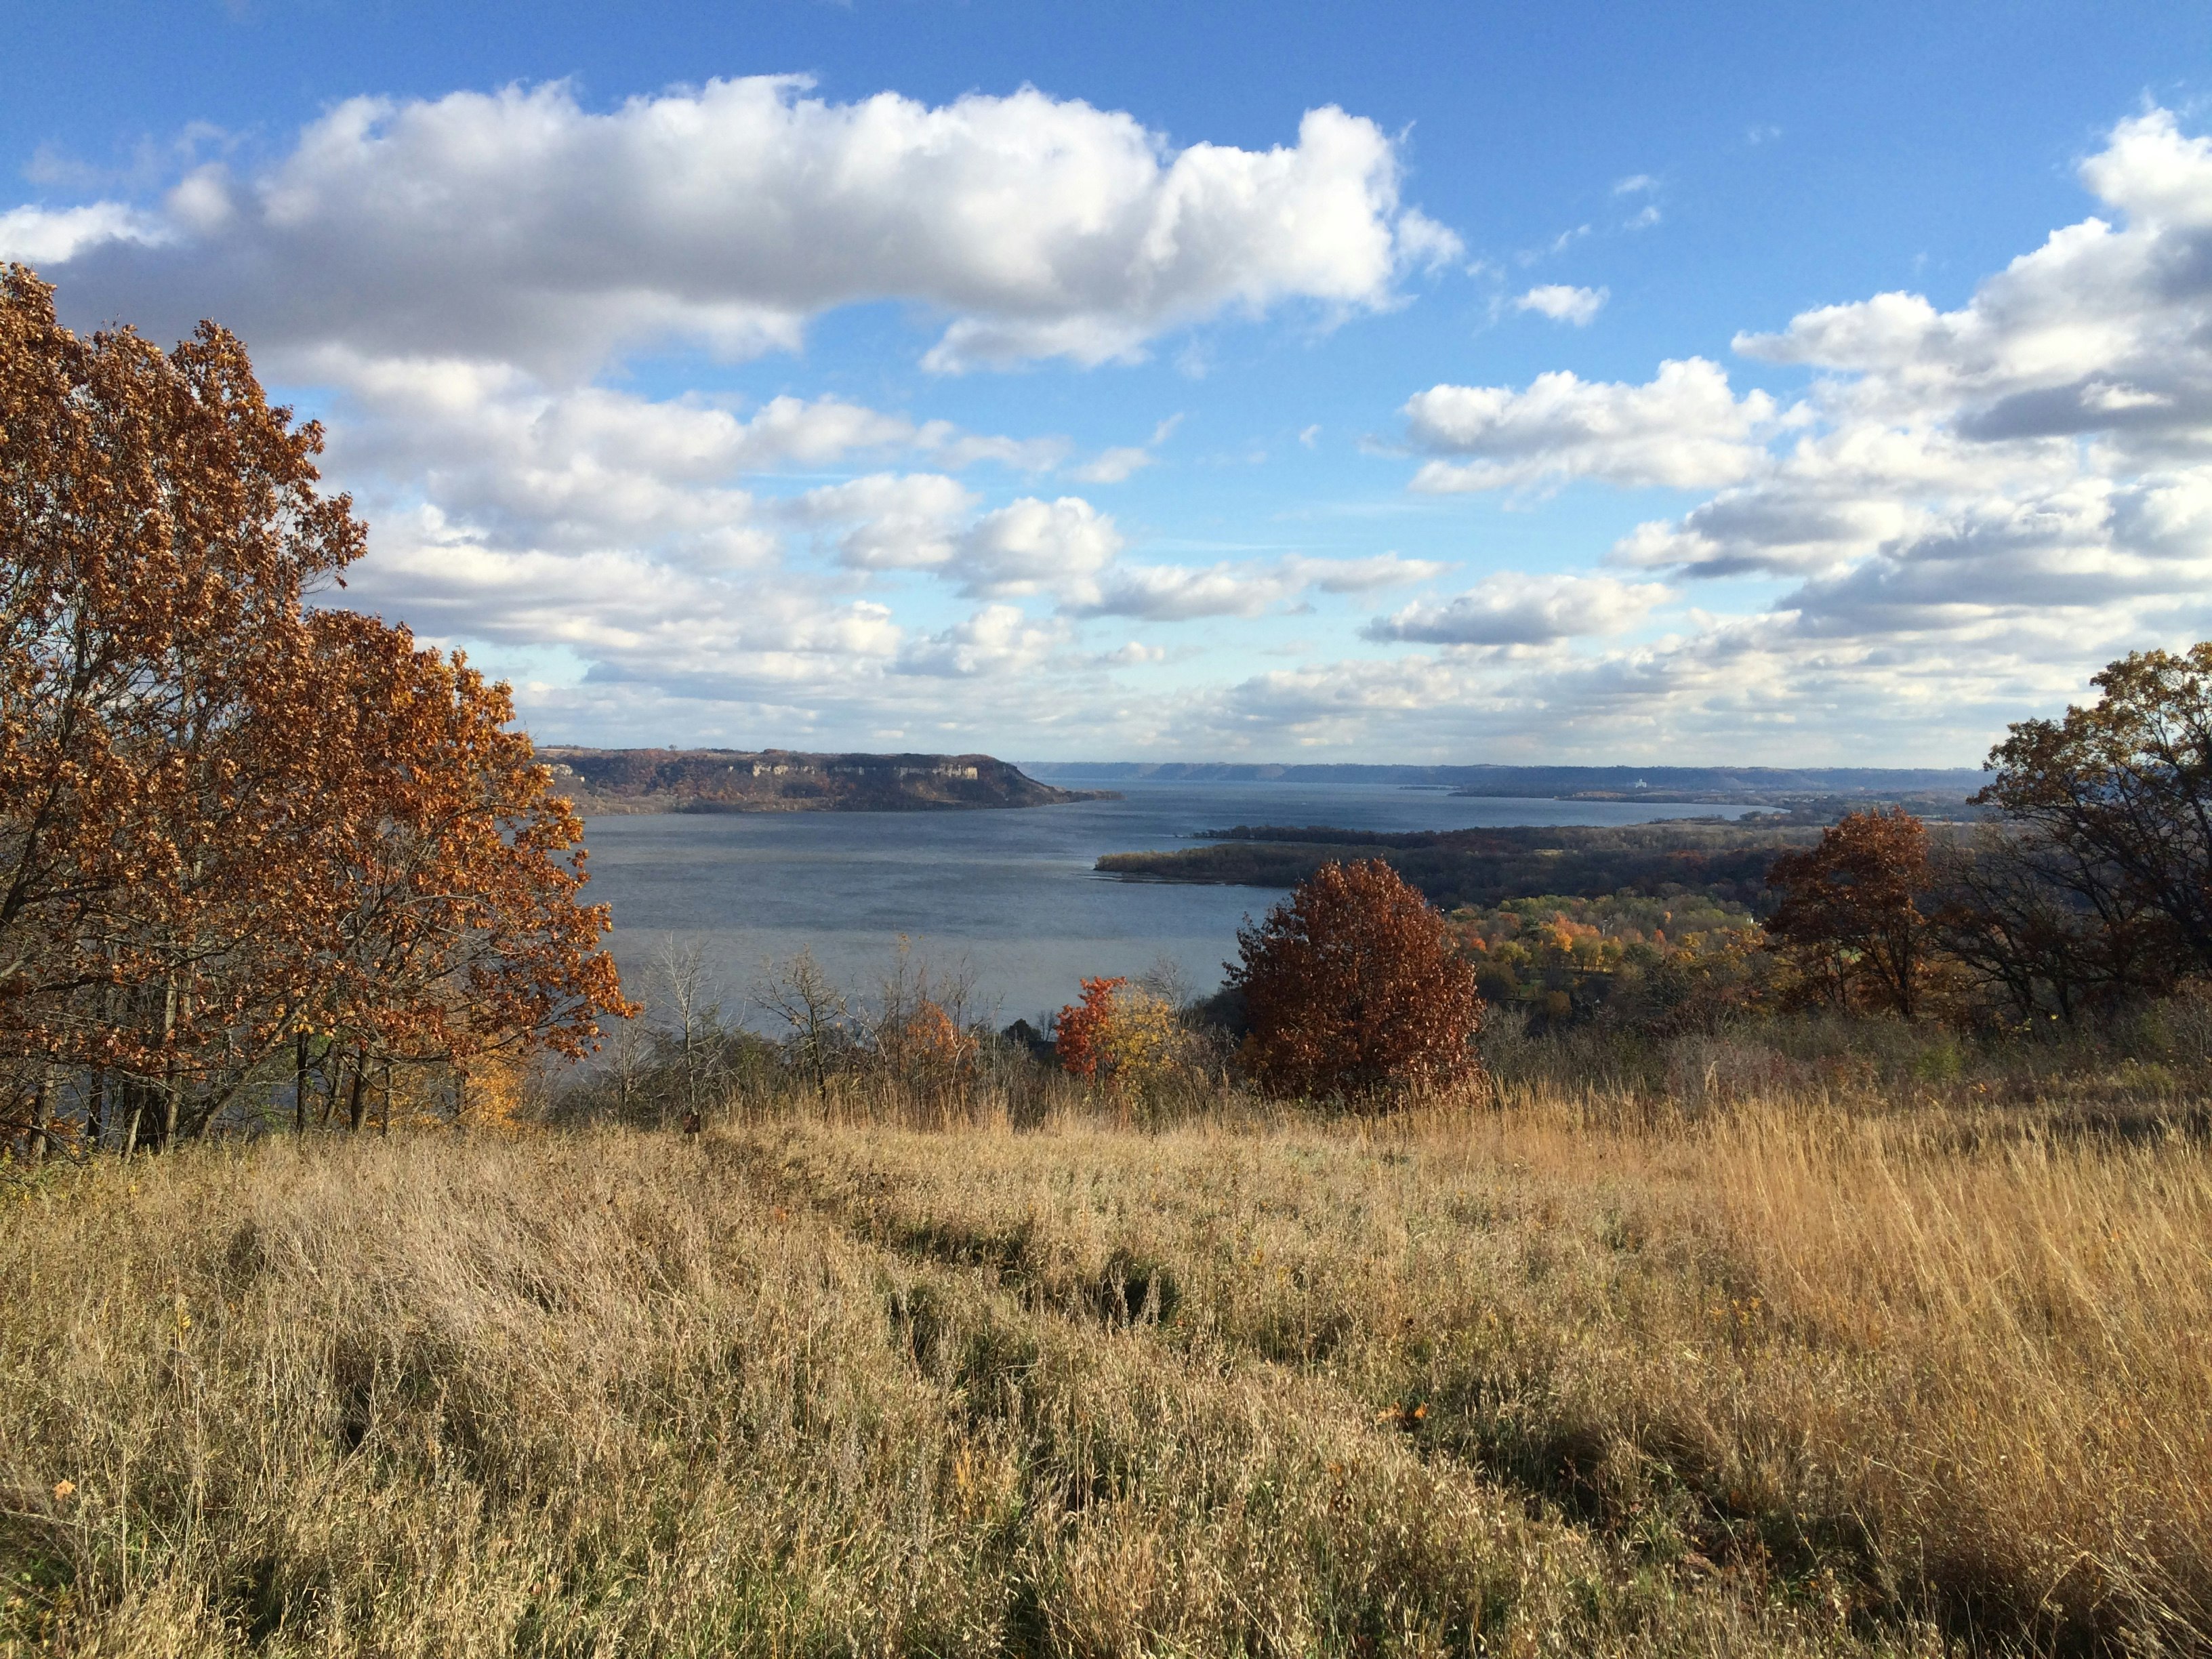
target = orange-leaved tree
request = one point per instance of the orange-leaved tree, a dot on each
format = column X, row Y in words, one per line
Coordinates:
column 231, row 825
column 160, row 525
column 1849, row 919
column 1353, row 990
column 455, row 931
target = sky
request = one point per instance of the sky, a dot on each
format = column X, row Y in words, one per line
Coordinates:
column 1720, row 384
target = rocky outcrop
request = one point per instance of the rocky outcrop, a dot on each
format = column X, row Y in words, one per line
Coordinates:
column 609, row 780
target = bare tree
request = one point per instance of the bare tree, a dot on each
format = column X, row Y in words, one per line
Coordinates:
column 814, row 1009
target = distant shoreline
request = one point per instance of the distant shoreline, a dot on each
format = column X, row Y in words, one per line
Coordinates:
column 1745, row 786
column 615, row 782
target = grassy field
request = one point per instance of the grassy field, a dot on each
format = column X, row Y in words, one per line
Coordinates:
column 1584, row 1374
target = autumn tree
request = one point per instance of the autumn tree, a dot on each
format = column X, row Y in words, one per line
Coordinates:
column 447, row 872
column 160, row 525
column 2117, row 797
column 1850, row 921
column 231, row 824
column 1122, row 1035
column 1353, row 991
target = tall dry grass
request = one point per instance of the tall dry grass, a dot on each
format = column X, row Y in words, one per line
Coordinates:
column 1579, row 1375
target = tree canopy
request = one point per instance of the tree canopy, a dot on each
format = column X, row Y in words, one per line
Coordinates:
column 2120, row 794
column 1353, row 989
column 233, row 823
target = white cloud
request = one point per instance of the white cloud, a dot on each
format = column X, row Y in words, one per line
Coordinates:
column 998, row 640
column 1133, row 654
column 53, row 236
column 1116, row 466
column 1635, row 185
column 1979, row 506
column 1564, row 304
column 1516, row 609
column 519, row 227
column 1684, row 428
column 897, row 522
column 1176, row 593
column 1363, row 575
column 1031, row 546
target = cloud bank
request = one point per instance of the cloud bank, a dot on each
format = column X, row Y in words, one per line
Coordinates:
column 519, row 228
column 1966, row 513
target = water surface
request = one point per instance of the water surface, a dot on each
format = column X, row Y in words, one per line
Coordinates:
column 1010, row 892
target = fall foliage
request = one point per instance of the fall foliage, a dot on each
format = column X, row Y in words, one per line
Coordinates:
column 1120, row 1034
column 241, row 838
column 1353, row 990
column 2119, row 797
column 1849, row 919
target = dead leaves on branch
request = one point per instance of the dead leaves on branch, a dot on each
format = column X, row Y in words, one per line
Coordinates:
column 226, row 818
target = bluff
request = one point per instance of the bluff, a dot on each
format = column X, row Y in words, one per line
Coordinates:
column 611, row 781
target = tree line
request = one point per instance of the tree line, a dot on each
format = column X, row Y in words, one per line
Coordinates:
column 253, row 849
column 2087, row 890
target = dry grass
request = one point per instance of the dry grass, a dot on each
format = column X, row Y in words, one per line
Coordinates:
column 1575, row 1377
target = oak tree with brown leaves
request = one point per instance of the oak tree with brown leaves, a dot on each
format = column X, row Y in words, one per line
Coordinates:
column 1353, row 991
column 232, row 826
column 1849, row 919
column 2117, row 797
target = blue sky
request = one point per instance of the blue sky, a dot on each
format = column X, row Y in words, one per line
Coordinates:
column 1273, row 382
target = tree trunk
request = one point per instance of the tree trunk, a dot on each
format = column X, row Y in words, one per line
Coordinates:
column 298, row 1083
column 356, row 1106
column 172, row 1085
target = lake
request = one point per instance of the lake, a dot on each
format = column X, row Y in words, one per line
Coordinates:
column 1010, row 893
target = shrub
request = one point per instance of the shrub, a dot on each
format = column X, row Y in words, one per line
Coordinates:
column 1122, row 1035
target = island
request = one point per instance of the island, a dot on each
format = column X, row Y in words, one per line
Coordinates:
column 604, row 782
column 1725, row 860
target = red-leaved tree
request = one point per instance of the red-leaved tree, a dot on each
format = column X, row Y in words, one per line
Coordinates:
column 1353, row 990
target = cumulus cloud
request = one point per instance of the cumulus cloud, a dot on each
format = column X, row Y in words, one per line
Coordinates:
column 1683, row 428
column 1512, row 608
column 1970, row 511
column 891, row 521
column 2078, row 378
column 1031, row 546
column 1175, row 592
column 520, row 227
column 2101, row 330
column 1562, row 303
column 1000, row 639
column 54, row 236
column 1364, row 575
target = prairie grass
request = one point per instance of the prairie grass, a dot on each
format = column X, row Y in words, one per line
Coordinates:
column 1559, row 1372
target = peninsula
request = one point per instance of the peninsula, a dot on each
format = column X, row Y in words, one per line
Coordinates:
column 604, row 782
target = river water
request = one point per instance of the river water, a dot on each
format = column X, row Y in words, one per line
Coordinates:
column 1008, row 894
